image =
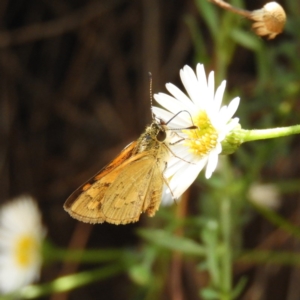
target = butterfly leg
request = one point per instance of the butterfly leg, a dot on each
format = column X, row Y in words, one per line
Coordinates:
column 178, row 156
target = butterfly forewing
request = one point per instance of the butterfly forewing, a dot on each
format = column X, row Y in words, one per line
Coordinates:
column 83, row 203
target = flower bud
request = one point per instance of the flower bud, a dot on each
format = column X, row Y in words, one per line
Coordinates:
column 232, row 141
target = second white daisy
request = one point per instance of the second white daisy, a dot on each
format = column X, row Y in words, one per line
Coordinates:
column 21, row 235
column 194, row 149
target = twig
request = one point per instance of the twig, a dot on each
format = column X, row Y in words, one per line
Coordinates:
column 54, row 28
column 227, row 6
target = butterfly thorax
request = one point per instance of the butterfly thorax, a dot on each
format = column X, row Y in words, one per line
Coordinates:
column 152, row 138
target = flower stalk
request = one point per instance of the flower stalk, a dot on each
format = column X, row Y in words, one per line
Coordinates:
column 226, row 260
column 239, row 136
column 272, row 133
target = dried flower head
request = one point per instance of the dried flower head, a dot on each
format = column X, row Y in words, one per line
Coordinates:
column 269, row 20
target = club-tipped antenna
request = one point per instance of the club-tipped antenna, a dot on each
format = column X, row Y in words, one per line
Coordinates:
column 151, row 95
column 182, row 111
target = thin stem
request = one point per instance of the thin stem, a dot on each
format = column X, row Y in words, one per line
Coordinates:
column 53, row 253
column 258, row 257
column 69, row 282
column 278, row 221
column 262, row 134
column 245, row 13
column 226, row 259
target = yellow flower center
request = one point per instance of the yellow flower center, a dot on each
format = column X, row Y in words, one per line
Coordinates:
column 202, row 140
column 26, row 250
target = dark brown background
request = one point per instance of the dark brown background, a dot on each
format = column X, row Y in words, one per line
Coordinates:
column 74, row 91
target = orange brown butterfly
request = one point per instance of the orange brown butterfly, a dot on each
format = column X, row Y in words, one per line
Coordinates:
column 131, row 184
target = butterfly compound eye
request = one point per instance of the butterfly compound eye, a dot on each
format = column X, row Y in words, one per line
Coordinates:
column 161, row 136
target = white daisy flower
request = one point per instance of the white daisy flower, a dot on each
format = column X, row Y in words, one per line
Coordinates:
column 193, row 149
column 21, row 235
column 265, row 194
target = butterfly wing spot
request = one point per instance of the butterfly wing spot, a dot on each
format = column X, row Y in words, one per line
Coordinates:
column 87, row 206
column 86, row 186
column 84, row 211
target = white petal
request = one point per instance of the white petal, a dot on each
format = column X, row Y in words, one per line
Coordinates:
column 211, row 164
column 233, row 122
column 165, row 115
column 191, row 85
column 177, row 166
column 183, row 179
column 203, row 90
column 169, row 103
column 227, row 128
column 167, row 198
column 202, row 81
column 197, row 89
column 180, row 96
column 220, row 120
column 211, row 86
column 232, row 108
column 219, row 95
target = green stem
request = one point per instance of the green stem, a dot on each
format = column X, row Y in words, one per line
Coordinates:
column 226, row 259
column 260, row 257
column 70, row 282
column 278, row 221
column 53, row 253
column 261, row 134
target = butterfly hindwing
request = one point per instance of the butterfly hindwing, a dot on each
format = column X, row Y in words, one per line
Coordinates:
column 138, row 193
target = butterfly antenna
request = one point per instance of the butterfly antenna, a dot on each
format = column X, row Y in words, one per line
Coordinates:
column 151, row 95
column 183, row 111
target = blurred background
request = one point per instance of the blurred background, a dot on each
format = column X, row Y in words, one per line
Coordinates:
column 74, row 91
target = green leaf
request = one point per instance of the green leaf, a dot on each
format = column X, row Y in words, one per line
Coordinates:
column 239, row 288
column 246, row 39
column 209, row 13
column 198, row 39
column 209, row 294
column 166, row 240
column 140, row 274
